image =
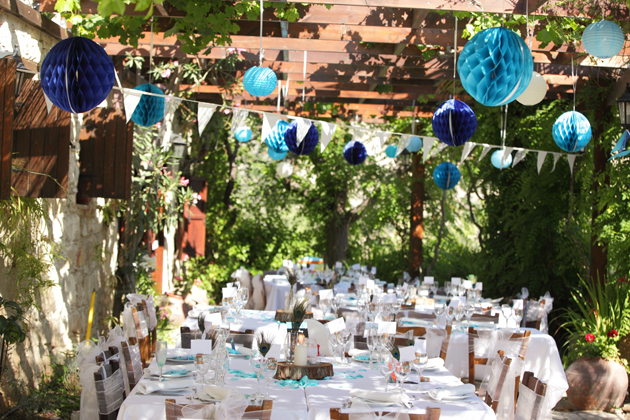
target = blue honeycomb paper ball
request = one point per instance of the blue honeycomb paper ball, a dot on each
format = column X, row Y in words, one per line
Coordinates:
column 454, row 123
column 354, row 152
column 603, row 39
column 495, row 66
column 243, row 134
column 496, row 158
column 77, row 75
column 572, row 131
column 391, row 150
column 308, row 144
column 275, row 139
column 260, row 81
column 150, row 109
column 415, row 143
column 276, row 155
column 446, row 175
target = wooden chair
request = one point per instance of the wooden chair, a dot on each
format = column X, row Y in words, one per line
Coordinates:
column 245, row 340
column 144, row 339
column 260, row 412
column 133, row 364
column 106, row 355
column 153, row 332
column 417, row 331
column 500, row 381
column 420, row 315
column 431, row 414
column 422, row 331
column 541, row 310
column 107, row 391
column 539, row 389
column 472, row 360
column 485, row 318
column 186, row 335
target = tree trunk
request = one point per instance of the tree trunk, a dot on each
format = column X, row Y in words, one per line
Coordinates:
column 599, row 255
column 337, row 230
column 436, row 251
column 417, row 214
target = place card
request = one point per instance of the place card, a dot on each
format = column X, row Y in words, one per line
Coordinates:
column 456, row 281
column 201, row 346
column 336, row 325
column 456, row 301
column 373, row 271
column 407, row 354
column 229, row 292
column 370, row 284
column 212, row 319
column 274, row 351
column 387, row 328
column 421, row 345
column 338, row 264
column 467, row 284
column 429, row 280
column 518, row 304
column 405, row 286
column 326, row 294
column 356, row 267
column 479, row 286
column 363, row 280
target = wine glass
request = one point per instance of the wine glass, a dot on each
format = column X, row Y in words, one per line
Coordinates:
column 448, row 288
column 372, row 342
column 518, row 316
column 386, row 366
column 470, row 311
column 459, row 313
column 244, row 294
column 334, row 342
column 257, row 361
column 334, row 305
column 403, row 370
column 268, row 372
column 419, row 364
column 450, row 313
column 507, row 313
column 160, row 354
column 222, row 365
column 373, row 310
column 362, row 308
column 343, row 339
column 200, row 367
column 324, row 305
column 438, row 310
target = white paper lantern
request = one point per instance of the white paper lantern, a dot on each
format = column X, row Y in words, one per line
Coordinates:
column 284, row 169
column 535, row 92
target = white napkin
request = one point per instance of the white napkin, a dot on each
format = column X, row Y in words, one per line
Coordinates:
column 434, row 363
column 357, row 352
column 454, row 391
column 147, row 387
column 393, row 397
column 216, row 392
column 168, row 369
column 319, row 333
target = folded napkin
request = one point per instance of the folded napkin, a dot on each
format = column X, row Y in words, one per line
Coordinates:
column 216, row 392
column 434, row 363
column 416, row 321
column 239, row 350
column 389, row 397
column 302, row 383
column 454, row 391
column 147, row 387
column 183, row 357
column 240, row 374
column 357, row 353
column 172, row 370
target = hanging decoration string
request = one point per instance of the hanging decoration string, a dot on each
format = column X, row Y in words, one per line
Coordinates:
column 151, row 52
column 304, row 77
column 529, row 29
column 260, row 54
column 455, row 51
column 504, row 126
column 279, row 96
column 574, row 77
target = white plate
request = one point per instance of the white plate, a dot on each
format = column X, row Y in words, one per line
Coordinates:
column 359, row 360
column 376, row 404
column 452, row 398
column 175, row 391
column 174, row 360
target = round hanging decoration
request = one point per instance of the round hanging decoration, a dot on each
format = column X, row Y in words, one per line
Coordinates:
column 415, row 143
column 391, row 150
column 243, row 134
column 77, row 75
column 276, row 155
column 354, row 152
column 260, row 81
column 284, row 169
column 308, row 144
column 603, row 39
column 495, row 66
column 572, row 131
column 275, row 139
column 535, row 92
column 446, row 175
column 150, row 109
column 497, row 157
column 454, row 122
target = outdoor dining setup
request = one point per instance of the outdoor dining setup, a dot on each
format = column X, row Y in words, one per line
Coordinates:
column 344, row 345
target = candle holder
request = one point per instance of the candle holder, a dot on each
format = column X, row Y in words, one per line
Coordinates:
column 291, row 371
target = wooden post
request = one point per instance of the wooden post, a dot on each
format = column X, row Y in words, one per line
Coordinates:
column 7, row 99
column 417, row 209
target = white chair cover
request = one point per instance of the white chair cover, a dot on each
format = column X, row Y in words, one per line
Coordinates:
column 362, row 411
column 86, row 362
column 109, row 392
column 503, row 393
column 231, row 407
column 136, row 363
column 258, row 295
column 487, row 343
column 436, row 340
column 533, row 311
column 135, row 298
column 114, row 339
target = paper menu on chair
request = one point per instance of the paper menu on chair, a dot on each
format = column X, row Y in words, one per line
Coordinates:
column 456, row 281
column 274, row 351
column 407, row 354
column 387, row 328
column 467, row 284
column 429, row 280
column 457, row 301
column 518, row 304
column 326, row 294
column 336, row 325
column 229, row 292
column 421, row 345
column 201, row 346
column 479, row 286
column 338, row 264
column 363, row 280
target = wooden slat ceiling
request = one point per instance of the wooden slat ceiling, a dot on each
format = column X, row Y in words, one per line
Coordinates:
column 357, row 45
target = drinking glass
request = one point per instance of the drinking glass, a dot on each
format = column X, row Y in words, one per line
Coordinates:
column 244, row 293
column 373, row 310
column 269, row 371
column 343, row 339
column 518, row 316
column 403, row 370
column 459, row 313
column 160, row 355
column 201, row 367
column 438, row 310
column 470, row 311
column 447, row 288
column 223, row 364
column 324, row 305
column 334, row 342
column 334, row 305
column 419, row 363
column 450, row 313
column 386, row 366
column 362, row 308
column 507, row 313
column 257, row 361
column 433, row 288
column 372, row 342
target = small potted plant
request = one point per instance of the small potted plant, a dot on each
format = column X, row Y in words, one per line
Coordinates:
column 597, row 375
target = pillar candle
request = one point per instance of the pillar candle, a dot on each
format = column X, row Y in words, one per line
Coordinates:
column 301, row 355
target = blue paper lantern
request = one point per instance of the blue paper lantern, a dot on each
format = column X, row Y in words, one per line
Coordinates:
column 415, row 143
column 572, row 131
column 243, row 134
column 446, row 175
column 308, row 144
column 276, row 155
column 497, row 157
column 150, row 109
column 275, row 139
column 495, row 66
column 391, row 150
column 603, row 39
column 454, row 122
column 354, row 152
column 77, row 75
column 260, row 81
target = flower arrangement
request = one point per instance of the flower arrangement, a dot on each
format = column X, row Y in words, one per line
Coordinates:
column 599, row 318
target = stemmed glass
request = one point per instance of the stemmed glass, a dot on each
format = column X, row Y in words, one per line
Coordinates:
column 244, row 294
column 386, row 366
column 518, row 316
column 334, row 305
column 470, row 311
column 373, row 310
column 257, row 361
column 459, row 313
column 507, row 313
column 343, row 338
column 403, row 370
column 419, row 364
column 334, row 342
column 362, row 307
column 372, row 342
column 324, row 305
column 438, row 310
column 160, row 354
column 448, row 288
column 450, row 313
column 201, row 367
column 268, row 372
column 433, row 287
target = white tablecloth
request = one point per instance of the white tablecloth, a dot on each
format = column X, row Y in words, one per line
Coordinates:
column 276, row 290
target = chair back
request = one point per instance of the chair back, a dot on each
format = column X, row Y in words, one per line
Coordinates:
column 531, row 398
column 535, row 310
column 417, row 331
column 110, row 390
column 420, row 315
column 186, row 335
column 106, row 355
column 152, row 332
column 259, row 412
column 485, row 318
column 245, row 340
column 257, row 295
column 519, row 348
column 497, row 381
column 142, row 332
column 431, row 414
column 133, row 363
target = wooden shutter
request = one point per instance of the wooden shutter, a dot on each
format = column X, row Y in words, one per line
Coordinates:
column 105, row 158
column 7, row 98
column 193, row 227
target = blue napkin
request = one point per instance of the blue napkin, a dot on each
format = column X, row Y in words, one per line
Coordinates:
column 179, row 372
column 302, row 383
column 233, row 351
column 184, row 357
column 240, row 374
column 362, row 358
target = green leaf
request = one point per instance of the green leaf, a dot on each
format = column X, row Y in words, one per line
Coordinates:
column 110, row 7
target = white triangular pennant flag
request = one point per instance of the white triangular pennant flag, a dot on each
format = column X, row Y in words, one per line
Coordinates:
column 49, row 104
column 468, row 147
column 269, row 122
column 556, row 156
column 204, row 115
column 484, row 152
column 328, row 131
column 403, row 142
column 571, row 159
column 541, row 160
column 520, row 155
column 427, row 145
column 170, row 106
column 441, row 147
column 506, row 152
column 302, row 129
column 131, row 99
column 382, row 138
column 239, row 116
column 371, row 142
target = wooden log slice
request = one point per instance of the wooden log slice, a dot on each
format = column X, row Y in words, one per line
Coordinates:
column 291, row 371
column 284, row 316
